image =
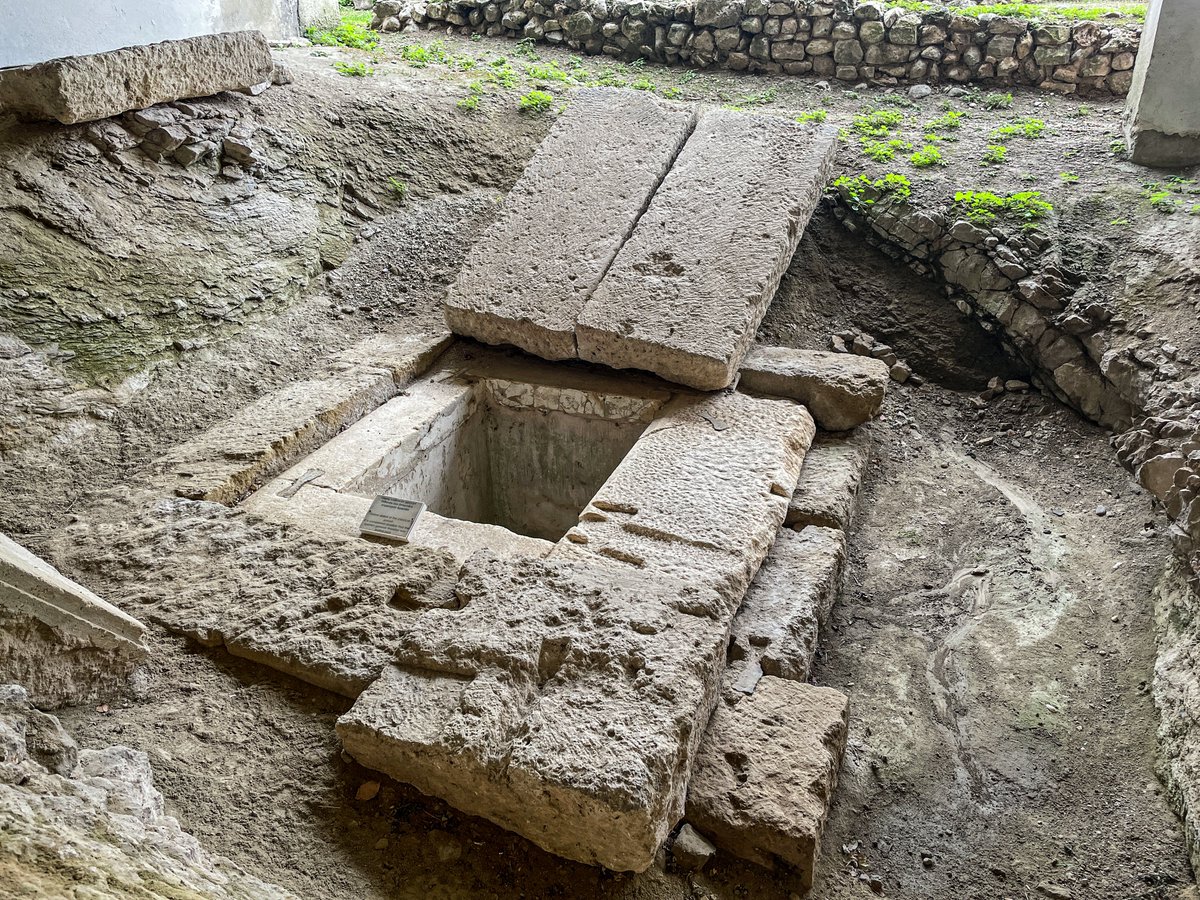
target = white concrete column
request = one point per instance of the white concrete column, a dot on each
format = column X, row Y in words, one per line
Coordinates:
column 1162, row 111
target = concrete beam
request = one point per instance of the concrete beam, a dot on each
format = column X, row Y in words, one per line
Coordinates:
column 1162, row 111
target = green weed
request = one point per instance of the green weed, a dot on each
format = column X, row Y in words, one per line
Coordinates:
column 536, row 102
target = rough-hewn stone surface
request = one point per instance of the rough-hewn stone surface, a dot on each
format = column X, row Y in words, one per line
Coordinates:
column 231, row 458
column 563, row 701
column 851, row 42
column 828, row 490
column 770, row 806
column 841, row 391
column 63, row 642
column 686, row 293
column 86, row 88
column 775, row 631
column 327, row 609
column 90, row 823
column 702, row 494
column 579, row 685
column 527, row 280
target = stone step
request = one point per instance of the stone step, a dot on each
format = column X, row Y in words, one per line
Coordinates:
column 827, row 494
column 688, row 290
column 526, row 281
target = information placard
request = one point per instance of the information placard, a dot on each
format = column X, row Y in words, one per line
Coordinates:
column 392, row 518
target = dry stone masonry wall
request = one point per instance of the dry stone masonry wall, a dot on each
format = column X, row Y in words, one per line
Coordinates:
column 867, row 42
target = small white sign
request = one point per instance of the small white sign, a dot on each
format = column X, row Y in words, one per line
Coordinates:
column 391, row 517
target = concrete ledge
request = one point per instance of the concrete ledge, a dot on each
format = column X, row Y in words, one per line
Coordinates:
column 61, row 641
column 85, row 88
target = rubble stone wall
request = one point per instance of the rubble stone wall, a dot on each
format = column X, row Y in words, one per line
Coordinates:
column 867, row 42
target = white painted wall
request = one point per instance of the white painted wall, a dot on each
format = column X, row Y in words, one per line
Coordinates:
column 31, row 33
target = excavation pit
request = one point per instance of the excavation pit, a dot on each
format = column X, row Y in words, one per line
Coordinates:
column 490, row 442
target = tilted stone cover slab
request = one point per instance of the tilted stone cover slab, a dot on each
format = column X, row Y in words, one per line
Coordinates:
column 841, row 390
column 770, row 806
column 85, row 88
column 688, row 290
column 526, row 282
column 60, row 640
column 565, row 698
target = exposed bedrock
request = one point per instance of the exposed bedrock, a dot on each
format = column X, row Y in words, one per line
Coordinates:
column 90, row 823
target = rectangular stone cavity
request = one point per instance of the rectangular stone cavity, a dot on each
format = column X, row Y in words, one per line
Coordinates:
column 688, row 290
column 85, row 88
column 565, row 697
column 526, row 281
column 495, row 447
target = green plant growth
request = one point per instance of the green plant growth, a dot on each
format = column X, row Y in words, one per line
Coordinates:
column 345, row 34
column 884, row 151
column 1172, row 195
column 877, row 123
column 998, row 101
column 536, row 102
column 399, row 188
column 644, row 84
column 470, row 103
column 817, row 115
column 672, row 93
column 353, row 70
column 525, row 48
column 861, row 192
column 1027, row 128
column 984, row 207
column 927, row 156
column 1069, row 177
column 949, row 121
column 995, row 154
column 1117, row 148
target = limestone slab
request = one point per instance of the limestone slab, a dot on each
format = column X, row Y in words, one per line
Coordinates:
column 702, row 493
column 841, row 390
column 689, row 288
column 766, row 771
column 527, row 280
column 85, row 88
column 60, row 640
column 243, row 451
column 828, row 490
column 563, row 701
column 775, row 630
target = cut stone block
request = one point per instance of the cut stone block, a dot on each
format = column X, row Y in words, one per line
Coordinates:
column 766, row 771
column 1162, row 117
column 563, row 702
column 564, row 699
column 688, row 290
column 698, row 496
column 85, row 88
column 234, row 456
column 57, row 638
column 775, row 631
column 828, row 490
column 841, row 390
column 526, row 282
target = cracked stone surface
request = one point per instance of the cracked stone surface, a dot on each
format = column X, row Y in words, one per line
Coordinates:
column 527, row 280
column 689, row 253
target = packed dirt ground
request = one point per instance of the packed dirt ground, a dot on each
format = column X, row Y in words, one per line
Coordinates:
column 994, row 636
